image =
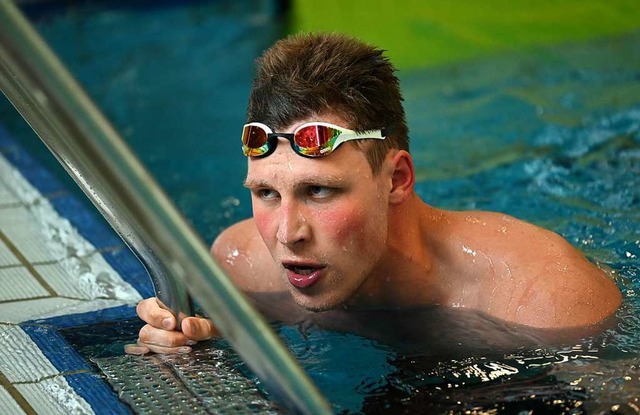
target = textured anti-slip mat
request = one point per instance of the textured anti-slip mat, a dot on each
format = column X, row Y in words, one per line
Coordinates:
column 204, row 381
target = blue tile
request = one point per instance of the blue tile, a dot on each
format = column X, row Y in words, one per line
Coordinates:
column 120, row 313
column 65, row 359
column 55, row 348
column 97, row 393
column 30, row 168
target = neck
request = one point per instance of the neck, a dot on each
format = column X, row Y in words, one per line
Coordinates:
column 405, row 276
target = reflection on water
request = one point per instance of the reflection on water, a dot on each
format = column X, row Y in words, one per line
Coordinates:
column 439, row 360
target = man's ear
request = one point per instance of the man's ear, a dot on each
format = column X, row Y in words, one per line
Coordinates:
column 403, row 177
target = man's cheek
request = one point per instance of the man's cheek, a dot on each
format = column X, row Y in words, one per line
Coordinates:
column 264, row 222
column 342, row 227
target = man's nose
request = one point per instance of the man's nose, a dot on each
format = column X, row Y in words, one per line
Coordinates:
column 293, row 227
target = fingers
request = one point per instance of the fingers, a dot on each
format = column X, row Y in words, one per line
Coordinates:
column 142, row 348
column 150, row 335
column 150, row 311
column 158, row 348
column 198, row 328
column 136, row 349
column 159, row 335
column 152, row 339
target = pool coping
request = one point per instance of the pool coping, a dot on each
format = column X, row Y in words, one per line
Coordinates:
column 51, row 362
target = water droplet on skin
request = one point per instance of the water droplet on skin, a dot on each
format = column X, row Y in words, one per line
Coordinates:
column 468, row 250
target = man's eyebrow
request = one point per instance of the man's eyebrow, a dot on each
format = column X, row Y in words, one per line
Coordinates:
column 328, row 180
column 253, row 184
column 249, row 183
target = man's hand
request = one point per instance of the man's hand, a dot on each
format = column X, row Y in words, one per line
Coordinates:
column 159, row 335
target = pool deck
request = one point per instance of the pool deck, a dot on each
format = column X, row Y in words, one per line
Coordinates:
column 61, row 266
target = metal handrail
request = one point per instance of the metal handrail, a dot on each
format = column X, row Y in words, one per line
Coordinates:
column 96, row 157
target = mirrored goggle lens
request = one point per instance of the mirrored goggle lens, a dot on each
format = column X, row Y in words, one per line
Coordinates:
column 315, row 140
column 254, row 140
column 254, row 136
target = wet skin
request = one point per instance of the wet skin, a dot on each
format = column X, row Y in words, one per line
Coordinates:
column 332, row 233
column 326, row 230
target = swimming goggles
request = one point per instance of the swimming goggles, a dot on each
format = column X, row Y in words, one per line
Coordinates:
column 314, row 139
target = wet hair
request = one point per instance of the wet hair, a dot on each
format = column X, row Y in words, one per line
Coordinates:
column 307, row 75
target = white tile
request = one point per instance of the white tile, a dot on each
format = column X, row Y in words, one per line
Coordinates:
column 7, row 197
column 19, row 311
column 87, row 278
column 61, row 281
column 20, row 358
column 6, row 256
column 17, row 185
column 23, row 230
column 54, row 396
column 17, row 283
column 8, row 405
column 67, row 263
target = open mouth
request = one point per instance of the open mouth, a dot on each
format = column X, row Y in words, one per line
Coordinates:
column 303, row 270
column 302, row 276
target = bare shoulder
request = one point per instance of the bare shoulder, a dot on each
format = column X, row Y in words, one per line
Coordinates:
column 531, row 275
column 240, row 251
column 564, row 289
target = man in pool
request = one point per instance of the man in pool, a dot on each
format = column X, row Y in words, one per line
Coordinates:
column 336, row 221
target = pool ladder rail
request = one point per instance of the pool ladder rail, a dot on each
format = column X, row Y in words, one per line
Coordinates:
column 100, row 162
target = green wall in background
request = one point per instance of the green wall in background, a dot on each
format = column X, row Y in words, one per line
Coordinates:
column 432, row 32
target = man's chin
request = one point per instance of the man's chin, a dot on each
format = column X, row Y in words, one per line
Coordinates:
column 315, row 306
column 318, row 309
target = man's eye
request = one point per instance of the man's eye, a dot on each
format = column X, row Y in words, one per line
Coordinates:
column 319, row 191
column 267, row 194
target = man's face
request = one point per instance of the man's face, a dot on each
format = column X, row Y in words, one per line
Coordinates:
column 324, row 220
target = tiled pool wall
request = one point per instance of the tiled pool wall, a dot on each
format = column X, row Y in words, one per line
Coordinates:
column 61, row 267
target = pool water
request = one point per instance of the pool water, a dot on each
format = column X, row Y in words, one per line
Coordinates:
column 552, row 137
